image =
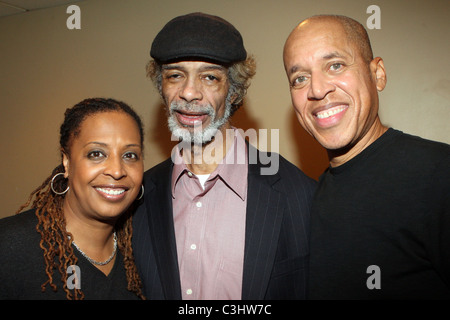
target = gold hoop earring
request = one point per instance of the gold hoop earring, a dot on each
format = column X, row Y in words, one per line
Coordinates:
column 51, row 185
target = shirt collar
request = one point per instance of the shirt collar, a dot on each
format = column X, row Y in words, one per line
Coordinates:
column 231, row 171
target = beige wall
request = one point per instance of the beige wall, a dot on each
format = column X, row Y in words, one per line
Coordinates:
column 46, row 68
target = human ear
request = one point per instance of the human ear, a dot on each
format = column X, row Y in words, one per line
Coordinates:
column 234, row 98
column 378, row 70
column 66, row 162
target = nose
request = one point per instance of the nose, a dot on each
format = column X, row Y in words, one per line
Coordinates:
column 191, row 90
column 320, row 86
column 115, row 168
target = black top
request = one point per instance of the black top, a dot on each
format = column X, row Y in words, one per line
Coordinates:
column 380, row 224
column 22, row 269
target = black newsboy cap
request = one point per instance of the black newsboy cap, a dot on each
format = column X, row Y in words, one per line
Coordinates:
column 198, row 35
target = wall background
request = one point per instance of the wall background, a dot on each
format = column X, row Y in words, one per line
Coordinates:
column 46, row 68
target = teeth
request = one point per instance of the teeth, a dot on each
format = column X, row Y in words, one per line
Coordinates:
column 330, row 112
column 113, row 192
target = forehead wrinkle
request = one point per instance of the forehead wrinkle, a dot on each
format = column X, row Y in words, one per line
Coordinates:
column 171, row 67
column 203, row 67
column 333, row 55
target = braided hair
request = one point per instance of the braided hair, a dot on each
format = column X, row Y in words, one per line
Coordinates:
column 56, row 242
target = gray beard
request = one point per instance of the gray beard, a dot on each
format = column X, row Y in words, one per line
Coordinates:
column 200, row 135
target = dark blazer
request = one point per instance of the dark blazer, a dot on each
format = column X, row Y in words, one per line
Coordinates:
column 276, row 234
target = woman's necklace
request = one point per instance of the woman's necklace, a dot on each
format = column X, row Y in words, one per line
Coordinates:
column 98, row 263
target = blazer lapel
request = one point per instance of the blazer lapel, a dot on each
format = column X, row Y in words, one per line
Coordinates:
column 263, row 223
column 264, row 216
column 162, row 231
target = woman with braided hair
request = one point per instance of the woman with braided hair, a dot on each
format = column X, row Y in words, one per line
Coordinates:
column 75, row 241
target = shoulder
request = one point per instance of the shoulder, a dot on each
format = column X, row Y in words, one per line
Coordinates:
column 295, row 178
column 18, row 234
column 288, row 169
column 161, row 169
column 19, row 246
column 420, row 147
column 417, row 156
column 288, row 176
column 17, row 227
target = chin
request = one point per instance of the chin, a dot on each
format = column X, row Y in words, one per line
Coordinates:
column 333, row 144
column 110, row 214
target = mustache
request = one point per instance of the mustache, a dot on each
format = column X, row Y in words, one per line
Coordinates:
column 183, row 106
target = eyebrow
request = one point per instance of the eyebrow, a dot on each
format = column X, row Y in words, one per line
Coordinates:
column 102, row 144
column 293, row 69
column 332, row 55
column 170, row 67
column 96, row 143
column 202, row 68
column 327, row 56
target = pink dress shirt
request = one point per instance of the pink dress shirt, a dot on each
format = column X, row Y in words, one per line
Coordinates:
column 210, row 226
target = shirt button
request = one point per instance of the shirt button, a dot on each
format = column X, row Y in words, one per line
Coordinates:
column 198, row 204
column 189, row 291
column 193, row 246
column 189, row 174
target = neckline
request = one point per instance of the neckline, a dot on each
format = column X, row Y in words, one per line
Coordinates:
column 85, row 261
column 367, row 152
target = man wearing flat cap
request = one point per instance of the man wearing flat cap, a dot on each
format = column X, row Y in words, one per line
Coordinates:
column 214, row 224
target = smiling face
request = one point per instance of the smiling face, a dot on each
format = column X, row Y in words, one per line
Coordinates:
column 195, row 93
column 104, row 167
column 333, row 89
